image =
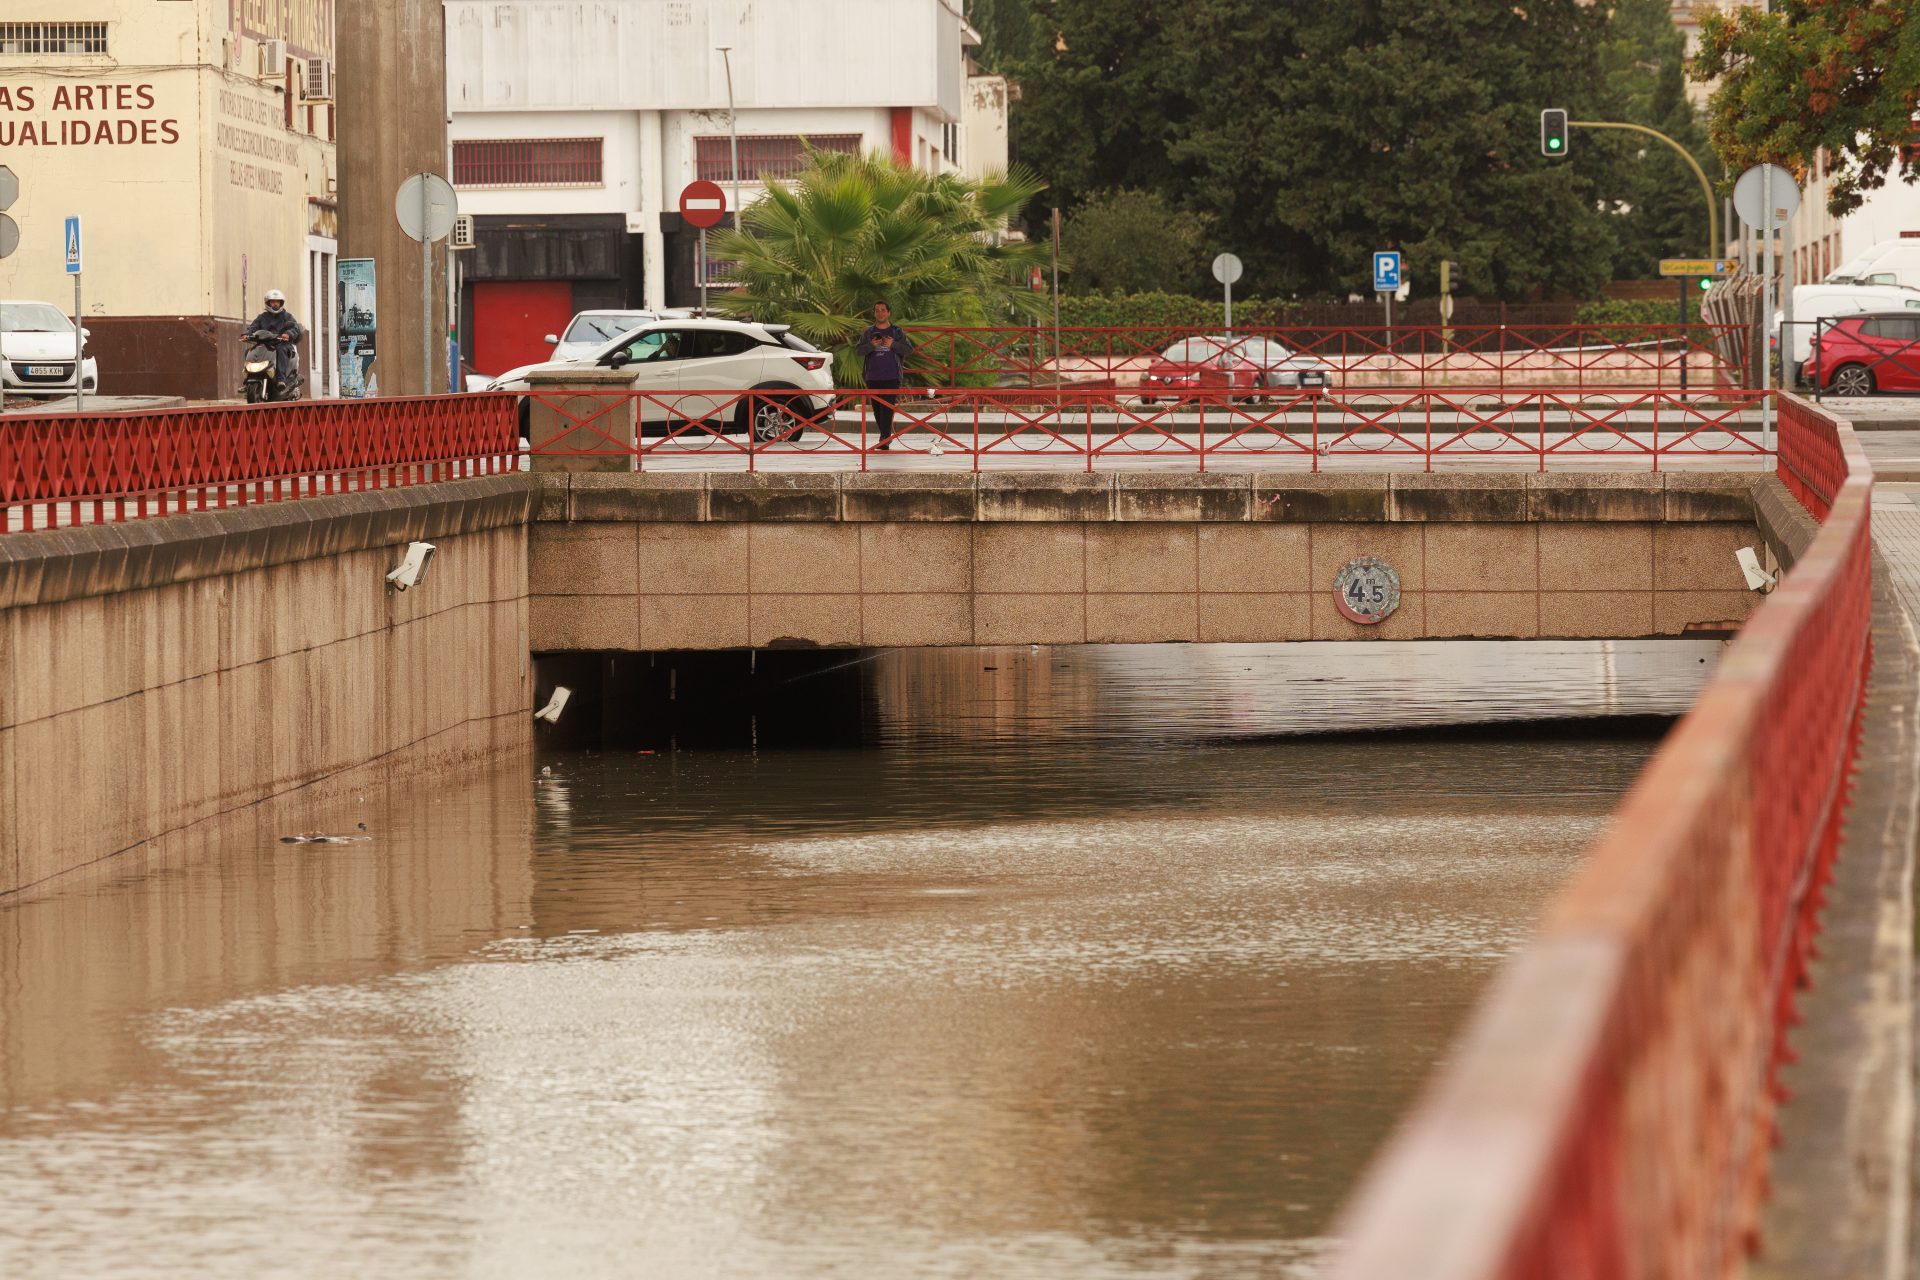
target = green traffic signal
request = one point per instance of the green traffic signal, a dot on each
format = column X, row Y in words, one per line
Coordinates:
column 1553, row 132
column 1706, row 283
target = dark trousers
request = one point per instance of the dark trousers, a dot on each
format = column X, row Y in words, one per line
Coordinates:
column 883, row 405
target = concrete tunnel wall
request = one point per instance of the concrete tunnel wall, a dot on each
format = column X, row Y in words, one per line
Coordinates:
column 667, row 561
column 161, row 675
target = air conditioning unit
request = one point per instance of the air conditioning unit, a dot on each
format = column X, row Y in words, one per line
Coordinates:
column 273, row 58
column 318, row 85
column 462, row 231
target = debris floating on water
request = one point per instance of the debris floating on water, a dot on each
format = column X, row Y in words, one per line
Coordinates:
column 322, row 837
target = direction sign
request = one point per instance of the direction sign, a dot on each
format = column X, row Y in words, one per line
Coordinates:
column 1750, row 195
column 426, row 207
column 703, row 204
column 1386, row 271
column 9, row 188
column 1227, row 268
column 9, row 235
column 72, row 240
column 1699, row 266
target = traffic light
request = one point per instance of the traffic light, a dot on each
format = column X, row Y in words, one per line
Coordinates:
column 1553, row 132
column 1706, row 283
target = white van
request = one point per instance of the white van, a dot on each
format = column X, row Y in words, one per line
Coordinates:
column 1812, row 302
column 1889, row 262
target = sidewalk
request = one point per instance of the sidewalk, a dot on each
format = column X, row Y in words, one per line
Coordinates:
column 1842, row 1206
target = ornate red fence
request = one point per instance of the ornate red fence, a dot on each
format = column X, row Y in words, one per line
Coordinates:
column 1103, row 427
column 65, row 469
column 1609, row 1110
column 1659, row 356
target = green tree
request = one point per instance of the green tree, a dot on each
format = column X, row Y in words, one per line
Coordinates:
column 1657, row 205
column 856, row 230
column 1836, row 75
column 1316, row 133
column 1134, row 242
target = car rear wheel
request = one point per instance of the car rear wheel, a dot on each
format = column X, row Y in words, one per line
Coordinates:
column 1853, row 380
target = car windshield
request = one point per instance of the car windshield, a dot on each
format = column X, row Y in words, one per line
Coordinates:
column 598, row 329
column 33, row 317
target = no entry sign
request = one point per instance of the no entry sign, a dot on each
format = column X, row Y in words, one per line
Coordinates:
column 703, row 204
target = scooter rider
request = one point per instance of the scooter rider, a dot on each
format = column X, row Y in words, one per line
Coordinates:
column 287, row 332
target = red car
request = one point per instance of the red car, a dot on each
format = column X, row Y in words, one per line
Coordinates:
column 1858, row 355
column 1227, row 363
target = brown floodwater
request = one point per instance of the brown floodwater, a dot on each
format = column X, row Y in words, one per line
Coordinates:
column 1082, row 965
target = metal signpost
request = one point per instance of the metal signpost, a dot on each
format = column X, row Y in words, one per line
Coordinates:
column 1386, row 281
column 1766, row 196
column 703, row 204
column 426, row 208
column 9, row 229
column 1226, row 269
column 72, row 240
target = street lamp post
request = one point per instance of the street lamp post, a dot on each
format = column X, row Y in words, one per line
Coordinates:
column 733, row 138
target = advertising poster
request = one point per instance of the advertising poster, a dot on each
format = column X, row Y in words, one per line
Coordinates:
column 358, row 320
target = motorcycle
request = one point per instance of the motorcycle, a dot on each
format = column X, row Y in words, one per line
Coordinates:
column 261, row 363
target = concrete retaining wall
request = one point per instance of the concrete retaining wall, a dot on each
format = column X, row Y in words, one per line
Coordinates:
column 159, row 674
column 730, row 560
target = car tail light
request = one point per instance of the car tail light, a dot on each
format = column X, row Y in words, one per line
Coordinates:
column 810, row 362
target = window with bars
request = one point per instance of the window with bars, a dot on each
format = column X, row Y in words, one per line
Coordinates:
column 777, row 157
column 53, row 37
column 527, row 162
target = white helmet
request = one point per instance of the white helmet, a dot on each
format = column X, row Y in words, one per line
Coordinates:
column 274, row 295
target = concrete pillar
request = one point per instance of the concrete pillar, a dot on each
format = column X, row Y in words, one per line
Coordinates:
column 392, row 123
column 653, row 202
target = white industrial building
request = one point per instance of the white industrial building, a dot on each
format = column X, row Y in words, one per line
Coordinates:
column 576, row 123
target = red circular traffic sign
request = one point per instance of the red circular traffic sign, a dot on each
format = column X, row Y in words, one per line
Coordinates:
column 703, row 203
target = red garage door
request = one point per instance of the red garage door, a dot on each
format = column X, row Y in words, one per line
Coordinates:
column 512, row 318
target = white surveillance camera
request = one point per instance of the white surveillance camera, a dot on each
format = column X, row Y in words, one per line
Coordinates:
column 555, row 705
column 412, row 570
column 1758, row 579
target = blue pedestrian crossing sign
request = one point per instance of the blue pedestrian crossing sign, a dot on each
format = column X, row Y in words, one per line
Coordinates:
column 1386, row 271
column 72, row 241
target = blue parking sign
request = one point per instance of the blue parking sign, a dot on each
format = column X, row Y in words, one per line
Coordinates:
column 1386, row 271
column 72, row 240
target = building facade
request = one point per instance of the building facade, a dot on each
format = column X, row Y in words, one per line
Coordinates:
column 193, row 140
column 576, row 124
column 1819, row 243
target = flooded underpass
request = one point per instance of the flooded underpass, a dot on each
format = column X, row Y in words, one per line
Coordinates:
column 1091, row 962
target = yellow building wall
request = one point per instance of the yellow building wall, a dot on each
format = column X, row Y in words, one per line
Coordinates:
column 174, row 151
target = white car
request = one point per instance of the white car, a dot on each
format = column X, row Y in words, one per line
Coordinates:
column 36, row 351
column 711, row 362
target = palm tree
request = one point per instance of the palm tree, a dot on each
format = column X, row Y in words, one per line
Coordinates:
column 856, row 230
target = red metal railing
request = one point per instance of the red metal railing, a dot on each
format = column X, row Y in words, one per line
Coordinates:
column 1659, row 356
column 1101, row 427
column 68, row 469
column 1609, row 1110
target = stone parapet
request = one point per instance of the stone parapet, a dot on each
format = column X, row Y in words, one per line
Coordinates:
column 1288, row 497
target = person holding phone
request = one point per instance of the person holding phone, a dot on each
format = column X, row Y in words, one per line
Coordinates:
column 884, row 348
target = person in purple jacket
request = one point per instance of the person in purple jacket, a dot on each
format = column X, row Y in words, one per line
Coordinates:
column 884, row 348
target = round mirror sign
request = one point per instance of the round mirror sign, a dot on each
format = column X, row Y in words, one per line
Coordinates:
column 1367, row 589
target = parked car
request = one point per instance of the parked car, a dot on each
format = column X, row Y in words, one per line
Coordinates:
column 1229, row 363
column 694, row 370
column 1815, row 302
column 36, row 351
column 1858, row 355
